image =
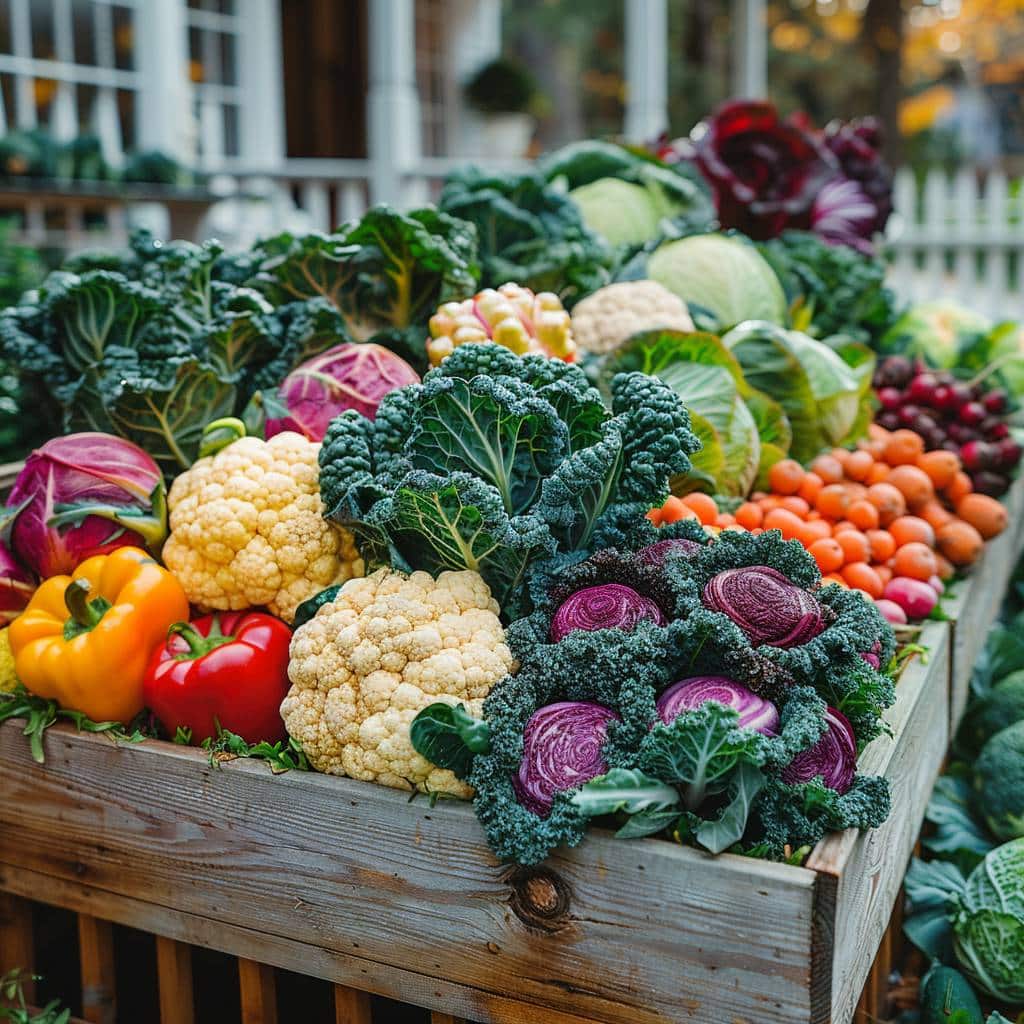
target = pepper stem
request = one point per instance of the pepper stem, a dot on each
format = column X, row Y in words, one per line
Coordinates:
column 86, row 613
column 198, row 645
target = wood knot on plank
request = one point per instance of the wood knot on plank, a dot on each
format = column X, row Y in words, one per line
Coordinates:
column 540, row 898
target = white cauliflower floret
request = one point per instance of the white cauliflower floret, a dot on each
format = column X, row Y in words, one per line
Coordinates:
column 247, row 528
column 381, row 651
column 610, row 316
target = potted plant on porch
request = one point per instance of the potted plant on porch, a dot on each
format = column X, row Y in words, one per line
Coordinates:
column 504, row 93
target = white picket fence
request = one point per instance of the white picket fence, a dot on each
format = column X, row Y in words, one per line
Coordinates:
column 959, row 236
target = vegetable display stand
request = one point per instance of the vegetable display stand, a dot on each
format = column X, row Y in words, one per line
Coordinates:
column 358, row 885
column 975, row 602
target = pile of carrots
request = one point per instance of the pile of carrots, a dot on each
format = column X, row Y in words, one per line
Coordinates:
column 873, row 518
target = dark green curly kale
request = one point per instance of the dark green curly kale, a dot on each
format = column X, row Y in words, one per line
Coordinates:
column 496, row 462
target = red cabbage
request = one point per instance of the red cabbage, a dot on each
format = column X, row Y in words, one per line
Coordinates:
column 833, row 757
column 659, row 551
column 689, row 694
column 347, row 376
column 606, row 606
column 83, row 495
column 16, row 586
column 562, row 746
column 769, row 608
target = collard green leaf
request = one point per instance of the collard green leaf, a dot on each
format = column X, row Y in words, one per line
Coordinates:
column 699, row 750
column 728, row 828
column 958, row 836
column 448, row 736
column 627, row 790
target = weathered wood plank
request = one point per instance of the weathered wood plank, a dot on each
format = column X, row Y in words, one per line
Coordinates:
column 351, row 1006
column 976, row 601
column 16, row 940
column 446, row 1018
column 390, row 897
column 174, row 977
column 862, row 872
column 258, row 988
column 99, row 980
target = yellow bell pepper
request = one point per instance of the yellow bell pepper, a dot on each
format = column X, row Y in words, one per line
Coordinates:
column 8, row 677
column 85, row 640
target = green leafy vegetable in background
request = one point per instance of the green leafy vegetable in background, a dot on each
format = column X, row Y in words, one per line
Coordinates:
column 826, row 400
column 386, row 270
column 831, row 289
column 529, row 232
column 727, row 413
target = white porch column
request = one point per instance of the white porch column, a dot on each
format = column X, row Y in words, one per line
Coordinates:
column 475, row 40
column 164, row 118
column 261, row 77
column 646, row 69
column 393, row 106
column 749, row 50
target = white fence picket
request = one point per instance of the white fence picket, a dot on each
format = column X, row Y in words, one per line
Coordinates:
column 960, row 237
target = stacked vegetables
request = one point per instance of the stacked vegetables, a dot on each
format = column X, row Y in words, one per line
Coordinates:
column 455, row 584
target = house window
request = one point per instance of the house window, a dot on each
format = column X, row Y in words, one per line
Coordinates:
column 69, row 66
column 213, row 52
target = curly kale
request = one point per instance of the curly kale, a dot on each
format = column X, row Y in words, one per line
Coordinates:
column 700, row 778
column 832, row 289
column 852, row 625
column 803, row 813
column 496, row 462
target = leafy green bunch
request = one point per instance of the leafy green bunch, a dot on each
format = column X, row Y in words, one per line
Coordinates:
column 529, row 233
column 832, row 289
column 700, row 778
column 496, row 462
column 154, row 343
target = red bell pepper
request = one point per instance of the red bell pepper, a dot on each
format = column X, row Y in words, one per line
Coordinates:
column 230, row 669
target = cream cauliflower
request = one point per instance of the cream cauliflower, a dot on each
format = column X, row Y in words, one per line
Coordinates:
column 606, row 319
column 385, row 648
column 247, row 528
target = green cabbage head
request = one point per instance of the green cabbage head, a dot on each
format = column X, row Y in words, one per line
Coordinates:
column 723, row 280
column 988, row 923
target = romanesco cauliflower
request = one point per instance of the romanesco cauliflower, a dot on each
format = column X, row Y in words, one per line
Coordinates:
column 247, row 528
column 385, row 648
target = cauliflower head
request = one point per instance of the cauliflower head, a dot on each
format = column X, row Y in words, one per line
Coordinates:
column 247, row 528
column 610, row 316
column 370, row 660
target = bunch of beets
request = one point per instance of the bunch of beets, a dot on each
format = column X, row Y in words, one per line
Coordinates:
column 957, row 415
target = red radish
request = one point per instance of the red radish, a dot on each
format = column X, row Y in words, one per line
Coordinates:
column 915, row 597
column 892, row 612
column 937, row 585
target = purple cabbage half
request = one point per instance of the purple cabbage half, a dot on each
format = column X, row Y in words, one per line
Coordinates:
column 84, row 495
column 16, row 586
column 689, row 694
column 767, row 606
column 347, row 376
column 605, row 606
column 833, row 757
column 562, row 749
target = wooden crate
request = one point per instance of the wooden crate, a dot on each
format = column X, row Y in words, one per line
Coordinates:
column 976, row 600
column 355, row 884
